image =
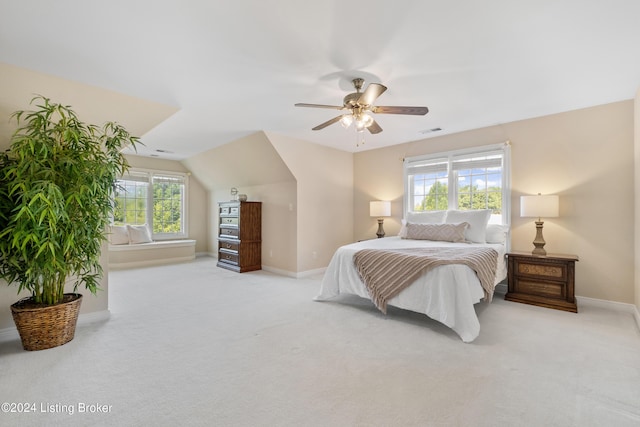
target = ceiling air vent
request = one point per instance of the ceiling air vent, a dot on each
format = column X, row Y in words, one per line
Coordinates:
column 430, row 130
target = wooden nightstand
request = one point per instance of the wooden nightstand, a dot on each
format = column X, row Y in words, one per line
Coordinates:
column 547, row 281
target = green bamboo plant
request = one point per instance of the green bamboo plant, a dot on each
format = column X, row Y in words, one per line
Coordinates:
column 56, row 185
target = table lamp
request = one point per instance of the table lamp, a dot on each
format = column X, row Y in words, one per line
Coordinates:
column 539, row 207
column 379, row 209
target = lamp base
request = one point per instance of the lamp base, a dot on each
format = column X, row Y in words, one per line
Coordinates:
column 539, row 240
column 380, row 232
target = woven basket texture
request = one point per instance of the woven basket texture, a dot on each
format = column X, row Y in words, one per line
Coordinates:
column 46, row 327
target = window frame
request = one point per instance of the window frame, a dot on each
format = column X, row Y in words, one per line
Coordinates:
column 184, row 218
column 452, row 191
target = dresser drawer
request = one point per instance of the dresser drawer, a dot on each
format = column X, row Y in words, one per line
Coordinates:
column 230, row 258
column 228, row 246
column 229, row 232
column 229, row 210
column 239, row 236
column 229, row 220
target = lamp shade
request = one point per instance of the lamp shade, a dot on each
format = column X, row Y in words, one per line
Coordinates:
column 379, row 208
column 539, row 206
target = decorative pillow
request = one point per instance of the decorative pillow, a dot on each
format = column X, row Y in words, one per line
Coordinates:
column 429, row 217
column 497, row 233
column 477, row 219
column 139, row 234
column 118, row 235
column 442, row 232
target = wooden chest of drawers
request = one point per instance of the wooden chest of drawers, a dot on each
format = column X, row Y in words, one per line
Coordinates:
column 547, row 281
column 239, row 236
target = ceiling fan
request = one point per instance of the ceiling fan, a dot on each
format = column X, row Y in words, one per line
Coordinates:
column 360, row 104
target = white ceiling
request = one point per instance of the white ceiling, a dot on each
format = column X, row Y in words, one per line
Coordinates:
column 237, row 67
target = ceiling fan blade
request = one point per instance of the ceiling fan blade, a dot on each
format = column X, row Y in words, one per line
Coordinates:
column 416, row 111
column 371, row 93
column 327, row 123
column 374, row 127
column 333, row 107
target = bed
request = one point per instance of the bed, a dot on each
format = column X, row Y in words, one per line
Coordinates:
column 446, row 293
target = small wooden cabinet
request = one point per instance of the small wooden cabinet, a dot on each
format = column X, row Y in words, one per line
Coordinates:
column 546, row 281
column 240, row 236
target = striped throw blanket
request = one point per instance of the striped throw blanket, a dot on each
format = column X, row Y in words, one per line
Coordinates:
column 386, row 272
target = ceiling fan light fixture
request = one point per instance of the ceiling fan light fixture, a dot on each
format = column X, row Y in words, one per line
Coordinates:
column 359, row 105
column 346, row 120
column 363, row 121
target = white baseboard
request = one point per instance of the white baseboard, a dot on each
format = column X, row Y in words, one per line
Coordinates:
column 287, row 273
column 309, row 273
column 149, row 263
column 93, row 317
column 11, row 334
column 278, row 271
column 295, row 275
column 612, row 305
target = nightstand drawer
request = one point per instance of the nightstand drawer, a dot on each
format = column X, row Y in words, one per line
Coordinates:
column 558, row 272
column 544, row 289
column 546, row 281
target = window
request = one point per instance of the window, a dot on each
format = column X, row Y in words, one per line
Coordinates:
column 464, row 179
column 154, row 198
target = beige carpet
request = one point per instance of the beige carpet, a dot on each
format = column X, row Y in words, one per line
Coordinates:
column 195, row 345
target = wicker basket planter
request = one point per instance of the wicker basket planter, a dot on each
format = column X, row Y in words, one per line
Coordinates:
column 42, row 327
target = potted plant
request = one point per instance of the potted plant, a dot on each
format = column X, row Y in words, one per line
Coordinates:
column 56, row 184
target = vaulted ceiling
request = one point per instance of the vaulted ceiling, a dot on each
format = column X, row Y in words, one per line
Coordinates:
column 227, row 69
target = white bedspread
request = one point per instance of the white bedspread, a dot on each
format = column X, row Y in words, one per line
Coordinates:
column 446, row 293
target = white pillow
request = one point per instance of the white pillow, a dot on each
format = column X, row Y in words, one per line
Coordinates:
column 477, row 219
column 139, row 234
column 441, row 232
column 497, row 233
column 428, row 217
column 118, row 235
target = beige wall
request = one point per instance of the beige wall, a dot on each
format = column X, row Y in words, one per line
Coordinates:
column 198, row 206
column 306, row 190
column 324, row 210
column 255, row 168
column 584, row 156
column 92, row 104
column 637, row 196
column 278, row 222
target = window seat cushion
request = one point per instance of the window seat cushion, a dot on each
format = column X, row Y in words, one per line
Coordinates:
column 152, row 253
